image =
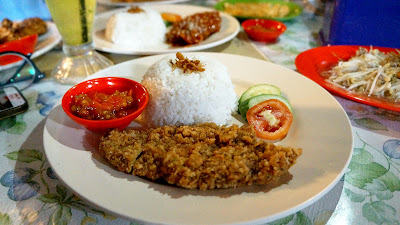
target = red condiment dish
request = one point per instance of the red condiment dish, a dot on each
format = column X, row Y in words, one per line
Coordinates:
column 107, row 85
column 263, row 30
column 314, row 62
column 23, row 45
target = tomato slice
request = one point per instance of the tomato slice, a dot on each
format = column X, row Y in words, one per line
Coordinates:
column 271, row 119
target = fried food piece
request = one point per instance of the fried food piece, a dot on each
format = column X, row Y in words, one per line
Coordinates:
column 10, row 31
column 122, row 148
column 30, row 26
column 256, row 9
column 205, row 156
column 6, row 35
column 6, row 23
column 6, row 31
column 194, row 29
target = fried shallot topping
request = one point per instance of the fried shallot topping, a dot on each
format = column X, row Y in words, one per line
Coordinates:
column 187, row 65
column 135, row 9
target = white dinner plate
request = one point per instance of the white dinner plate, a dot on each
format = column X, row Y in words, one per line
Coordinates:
column 320, row 127
column 229, row 29
column 151, row 2
column 46, row 42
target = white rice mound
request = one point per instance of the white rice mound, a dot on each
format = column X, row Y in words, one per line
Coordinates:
column 178, row 98
column 136, row 30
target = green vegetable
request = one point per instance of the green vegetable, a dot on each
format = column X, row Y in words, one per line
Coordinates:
column 258, row 90
column 247, row 104
column 167, row 23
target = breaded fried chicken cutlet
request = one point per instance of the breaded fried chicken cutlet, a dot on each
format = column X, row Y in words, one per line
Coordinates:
column 205, row 156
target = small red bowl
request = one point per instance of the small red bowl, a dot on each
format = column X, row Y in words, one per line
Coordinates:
column 23, row 45
column 263, row 30
column 107, row 85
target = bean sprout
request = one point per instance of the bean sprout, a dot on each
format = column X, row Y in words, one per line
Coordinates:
column 370, row 72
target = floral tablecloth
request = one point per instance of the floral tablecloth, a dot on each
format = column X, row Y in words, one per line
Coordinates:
column 369, row 193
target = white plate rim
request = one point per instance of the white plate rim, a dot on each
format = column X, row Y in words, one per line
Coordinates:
column 110, row 3
column 229, row 29
column 49, row 41
column 347, row 134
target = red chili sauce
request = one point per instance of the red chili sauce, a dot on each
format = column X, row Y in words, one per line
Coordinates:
column 101, row 106
column 262, row 29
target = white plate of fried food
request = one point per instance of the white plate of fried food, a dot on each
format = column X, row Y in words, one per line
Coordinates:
column 45, row 43
column 229, row 29
column 320, row 127
column 137, row 2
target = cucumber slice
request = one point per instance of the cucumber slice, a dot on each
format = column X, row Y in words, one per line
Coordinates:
column 247, row 104
column 260, row 98
column 258, row 90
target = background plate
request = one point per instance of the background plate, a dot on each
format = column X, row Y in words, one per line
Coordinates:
column 295, row 9
column 312, row 63
column 110, row 3
column 229, row 29
column 327, row 148
column 45, row 43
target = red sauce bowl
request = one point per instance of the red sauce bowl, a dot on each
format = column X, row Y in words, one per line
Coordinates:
column 23, row 45
column 107, row 85
column 263, row 30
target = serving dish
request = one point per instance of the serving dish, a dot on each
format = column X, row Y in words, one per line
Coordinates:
column 229, row 29
column 106, row 85
column 294, row 9
column 151, row 2
column 72, row 153
column 312, row 63
column 45, row 43
column 24, row 45
column 263, row 30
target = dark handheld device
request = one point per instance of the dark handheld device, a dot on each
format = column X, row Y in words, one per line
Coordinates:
column 12, row 102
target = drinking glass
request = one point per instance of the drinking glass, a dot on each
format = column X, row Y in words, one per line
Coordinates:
column 74, row 20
